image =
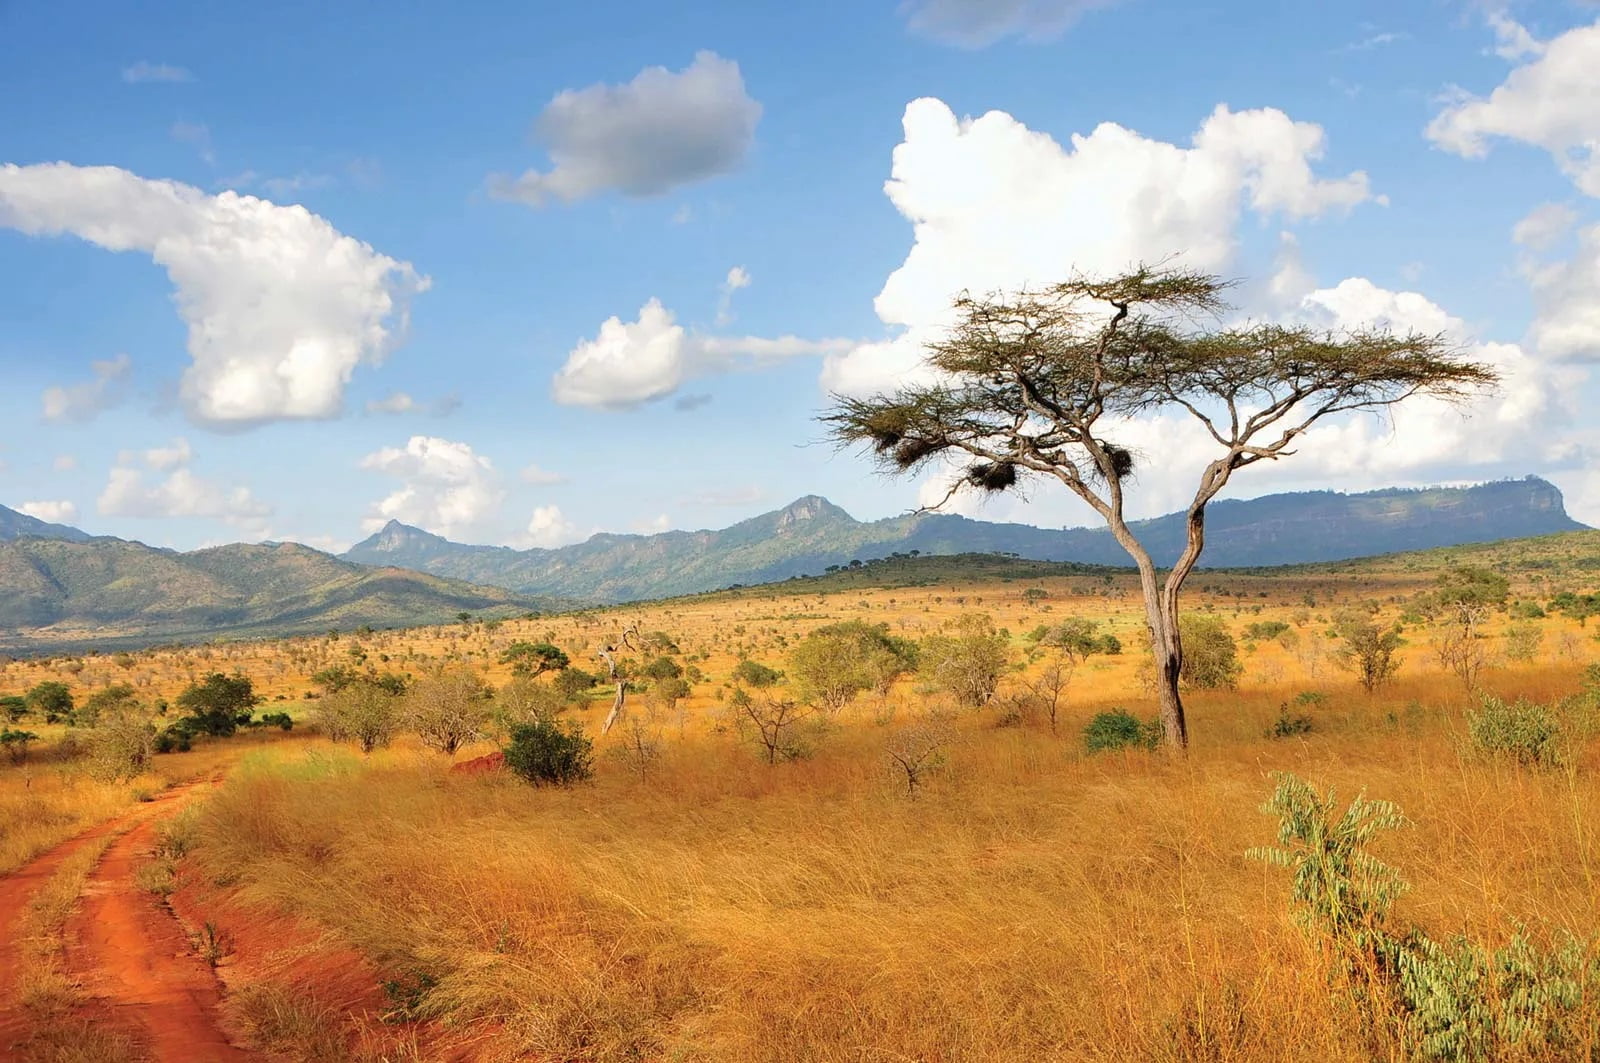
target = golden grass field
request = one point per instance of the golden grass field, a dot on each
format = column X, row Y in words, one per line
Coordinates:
column 1031, row 902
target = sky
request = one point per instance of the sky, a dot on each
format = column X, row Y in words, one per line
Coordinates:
column 518, row 273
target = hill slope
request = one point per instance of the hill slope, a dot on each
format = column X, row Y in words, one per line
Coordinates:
column 110, row 590
column 812, row 533
column 14, row 525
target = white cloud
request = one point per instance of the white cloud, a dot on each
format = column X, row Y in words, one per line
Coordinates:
column 81, row 402
column 1567, row 323
column 1552, row 101
column 175, row 456
column 660, row 131
column 130, row 492
column 738, row 277
column 631, row 363
column 533, row 474
column 549, row 529
column 64, row 463
column 976, row 23
column 1426, row 433
column 53, row 512
column 281, row 307
column 1544, row 226
column 446, row 488
column 1512, row 39
column 394, row 402
column 995, row 205
column 144, row 71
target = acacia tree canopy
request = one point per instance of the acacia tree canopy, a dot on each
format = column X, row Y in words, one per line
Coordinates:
column 1034, row 385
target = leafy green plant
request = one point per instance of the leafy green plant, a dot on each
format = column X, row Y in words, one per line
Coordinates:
column 1286, row 726
column 1524, row 731
column 547, row 752
column 1454, row 1000
column 1120, row 729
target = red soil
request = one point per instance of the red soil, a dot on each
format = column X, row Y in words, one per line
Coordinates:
column 129, row 952
column 483, row 765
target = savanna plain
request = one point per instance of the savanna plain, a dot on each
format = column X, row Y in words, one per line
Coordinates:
column 911, row 810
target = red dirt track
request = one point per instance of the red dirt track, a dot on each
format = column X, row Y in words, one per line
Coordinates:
column 131, row 958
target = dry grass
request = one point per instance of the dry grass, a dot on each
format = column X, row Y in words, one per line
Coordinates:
column 1033, row 903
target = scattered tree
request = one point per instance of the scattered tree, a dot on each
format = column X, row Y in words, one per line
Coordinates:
column 534, row 659
column 773, row 722
column 1367, row 650
column 219, row 703
column 51, row 699
column 448, row 710
column 834, row 663
column 1033, row 384
column 967, row 659
column 917, row 749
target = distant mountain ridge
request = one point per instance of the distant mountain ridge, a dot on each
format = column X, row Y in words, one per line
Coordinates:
column 106, row 591
column 811, row 533
column 15, row 525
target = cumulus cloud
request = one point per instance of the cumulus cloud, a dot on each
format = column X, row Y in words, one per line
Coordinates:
column 660, row 131
column 1426, row 433
column 549, row 529
column 131, row 491
column 446, row 487
column 281, row 307
column 53, row 512
column 977, row 23
column 81, row 402
column 631, row 363
column 995, row 205
column 145, row 71
column 1551, row 101
column 1567, row 323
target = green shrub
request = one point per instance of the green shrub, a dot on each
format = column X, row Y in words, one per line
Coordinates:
column 755, row 674
column 1119, row 729
column 1287, row 726
column 1524, row 731
column 1454, row 1000
column 16, row 743
column 545, row 751
column 1210, row 656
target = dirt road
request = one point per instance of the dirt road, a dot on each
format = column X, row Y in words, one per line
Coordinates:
column 127, row 951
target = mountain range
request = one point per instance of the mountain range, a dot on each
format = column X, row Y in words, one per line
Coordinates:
column 60, row 586
column 811, row 534
column 57, row 592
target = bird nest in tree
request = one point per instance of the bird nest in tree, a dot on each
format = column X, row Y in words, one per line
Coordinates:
column 993, row 475
column 910, row 451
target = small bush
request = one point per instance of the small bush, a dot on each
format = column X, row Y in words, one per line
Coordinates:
column 1524, row 731
column 1287, row 726
column 545, row 751
column 1119, row 729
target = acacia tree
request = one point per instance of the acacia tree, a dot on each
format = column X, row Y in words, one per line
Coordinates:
column 1037, row 384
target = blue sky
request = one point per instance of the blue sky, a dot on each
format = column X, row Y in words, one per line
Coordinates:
column 192, row 358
